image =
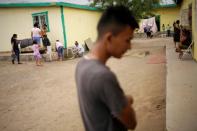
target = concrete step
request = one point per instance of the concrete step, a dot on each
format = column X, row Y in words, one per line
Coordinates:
column 30, row 57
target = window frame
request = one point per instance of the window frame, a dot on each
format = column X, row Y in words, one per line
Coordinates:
column 40, row 14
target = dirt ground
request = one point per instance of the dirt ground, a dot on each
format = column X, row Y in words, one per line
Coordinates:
column 45, row 98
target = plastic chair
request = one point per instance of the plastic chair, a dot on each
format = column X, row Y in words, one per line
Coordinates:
column 187, row 51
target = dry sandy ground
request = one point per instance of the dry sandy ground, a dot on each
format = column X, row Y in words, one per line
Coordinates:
column 45, row 98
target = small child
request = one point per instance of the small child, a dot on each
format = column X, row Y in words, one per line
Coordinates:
column 37, row 54
column 60, row 50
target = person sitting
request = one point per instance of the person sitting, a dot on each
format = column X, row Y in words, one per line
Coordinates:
column 78, row 50
column 185, row 41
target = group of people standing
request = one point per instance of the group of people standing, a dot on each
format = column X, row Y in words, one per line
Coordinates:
column 38, row 35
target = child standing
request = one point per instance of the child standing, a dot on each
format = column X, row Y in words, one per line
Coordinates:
column 37, row 54
column 15, row 49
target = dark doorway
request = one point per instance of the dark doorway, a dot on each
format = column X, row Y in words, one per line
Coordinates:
column 157, row 19
column 190, row 15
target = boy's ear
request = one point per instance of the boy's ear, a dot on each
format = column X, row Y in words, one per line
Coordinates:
column 108, row 37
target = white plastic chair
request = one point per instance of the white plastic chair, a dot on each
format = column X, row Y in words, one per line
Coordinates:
column 188, row 50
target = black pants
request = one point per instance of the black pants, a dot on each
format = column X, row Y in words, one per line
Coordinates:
column 17, row 55
column 148, row 34
column 168, row 33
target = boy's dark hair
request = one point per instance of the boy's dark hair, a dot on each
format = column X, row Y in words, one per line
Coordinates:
column 114, row 19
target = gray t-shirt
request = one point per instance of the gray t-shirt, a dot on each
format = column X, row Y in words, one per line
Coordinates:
column 100, row 97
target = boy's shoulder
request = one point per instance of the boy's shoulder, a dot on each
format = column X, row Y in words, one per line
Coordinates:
column 94, row 66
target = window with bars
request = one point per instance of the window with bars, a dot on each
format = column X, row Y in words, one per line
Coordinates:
column 42, row 19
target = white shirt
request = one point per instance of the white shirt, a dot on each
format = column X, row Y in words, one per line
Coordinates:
column 36, row 32
column 59, row 44
column 79, row 48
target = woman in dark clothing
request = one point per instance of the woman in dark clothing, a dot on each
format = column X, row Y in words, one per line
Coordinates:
column 15, row 49
column 176, row 32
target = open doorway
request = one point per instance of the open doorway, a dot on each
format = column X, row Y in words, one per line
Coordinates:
column 157, row 20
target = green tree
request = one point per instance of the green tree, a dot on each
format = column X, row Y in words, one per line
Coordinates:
column 140, row 8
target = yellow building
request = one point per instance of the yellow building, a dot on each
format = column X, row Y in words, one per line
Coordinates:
column 168, row 14
column 65, row 21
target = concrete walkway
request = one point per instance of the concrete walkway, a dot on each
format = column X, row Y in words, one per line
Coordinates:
column 181, row 107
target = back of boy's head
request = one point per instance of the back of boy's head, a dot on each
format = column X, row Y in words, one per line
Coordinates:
column 114, row 19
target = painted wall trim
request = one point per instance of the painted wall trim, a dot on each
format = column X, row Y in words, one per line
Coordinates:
column 164, row 6
column 65, row 4
column 63, row 26
column 86, row 7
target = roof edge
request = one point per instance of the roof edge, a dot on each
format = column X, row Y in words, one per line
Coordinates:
column 65, row 4
column 27, row 4
column 45, row 4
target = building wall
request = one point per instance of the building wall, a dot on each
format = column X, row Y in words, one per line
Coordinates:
column 184, row 5
column 167, row 15
column 194, row 26
column 80, row 25
column 19, row 21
